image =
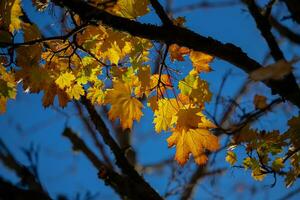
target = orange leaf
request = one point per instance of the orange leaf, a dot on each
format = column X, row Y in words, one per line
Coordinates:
column 123, row 106
column 193, row 141
column 201, row 61
column 177, row 52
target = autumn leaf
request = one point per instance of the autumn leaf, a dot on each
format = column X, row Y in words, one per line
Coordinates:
column 49, row 95
column 65, row 80
column 277, row 164
column 165, row 114
column 75, row 91
column 195, row 88
column 260, row 102
column 160, row 83
column 231, row 157
column 131, row 8
column 40, row 5
column 274, row 71
column 7, row 88
column 177, row 52
column 123, row 105
column 96, row 94
column 201, row 61
column 192, row 135
column 144, row 75
column 188, row 117
column 258, row 174
column 10, row 11
column 194, row 141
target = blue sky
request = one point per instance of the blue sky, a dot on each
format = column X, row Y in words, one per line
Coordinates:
column 63, row 171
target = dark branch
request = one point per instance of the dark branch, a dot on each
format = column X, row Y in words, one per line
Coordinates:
column 294, row 8
column 161, row 13
column 263, row 25
column 142, row 187
column 182, row 37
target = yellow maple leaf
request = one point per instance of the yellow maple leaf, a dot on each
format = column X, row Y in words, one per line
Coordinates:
column 123, row 105
column 160, row 83
column 167, row 109
column 75, row 91
column 7, row 88
column 196, row 89
column 131, row 8
column 194, row 141
column 192, row 135
column 96, row 95
column 15, row 14
column 201, row 61
column 65, row 80
column 231, row 157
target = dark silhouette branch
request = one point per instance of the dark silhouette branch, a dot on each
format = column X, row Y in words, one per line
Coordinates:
column 294, row 8
column 142, row 187
column 161, row 13
column 287, row 88
column 93, row 134
column 285, row 31
column 264, row 27
column 122, row 184
column 27, row 177
column 10, row 192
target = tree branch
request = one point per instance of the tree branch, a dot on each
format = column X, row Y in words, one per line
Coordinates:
column 161, row 13
column 183, row 37
column 263, row 25
column 123, row 185
column 142, row 187
column 294, row 8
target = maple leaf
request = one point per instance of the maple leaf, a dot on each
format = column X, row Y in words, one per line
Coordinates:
column 10, row 11
column 277, row 164
column 260, row 102
column 131, row 8
column 161, row 83
column 40, row 5
column 123, row 105
column 201, row 61
column 195, row 88
column 231, row 157
column 144, row 77
column 95, row 93
column 188, row 118
column 193, row 141
column 53, row 90
column 177, row 52
column 163, row 116
column 7, row 88
column 49, row 95
column 75, row 91
column 275, row 71
column 65, row 80
column 192, row 135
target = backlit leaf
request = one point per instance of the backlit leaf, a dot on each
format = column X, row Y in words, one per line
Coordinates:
column 201, row 61
column 65, row 80
column 231, row 157
column 123, row 105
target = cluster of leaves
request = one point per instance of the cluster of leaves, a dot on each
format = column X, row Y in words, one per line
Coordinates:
column 110, row 68
column 268, row 152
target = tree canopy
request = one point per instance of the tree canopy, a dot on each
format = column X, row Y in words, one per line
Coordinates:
column 116, row 69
